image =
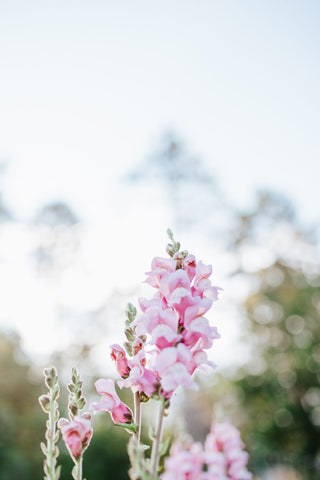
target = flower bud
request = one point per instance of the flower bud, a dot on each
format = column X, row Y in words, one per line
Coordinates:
column 128, row 348
column 129, row 332
column 170, row 234
column 44, row 401
column 170, row 250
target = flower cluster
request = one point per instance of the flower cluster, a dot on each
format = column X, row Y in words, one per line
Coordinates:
column 166, row 343
column 221, row 458
column 167, row 340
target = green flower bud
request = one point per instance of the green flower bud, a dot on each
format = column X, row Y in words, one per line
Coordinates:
column 44, row 401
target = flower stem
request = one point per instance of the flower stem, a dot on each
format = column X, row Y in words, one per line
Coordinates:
column 77, row 472
column 156, row 443
column 50, row 444
column 137, row 415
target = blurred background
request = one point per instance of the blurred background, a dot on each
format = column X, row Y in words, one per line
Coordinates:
column 119, row 120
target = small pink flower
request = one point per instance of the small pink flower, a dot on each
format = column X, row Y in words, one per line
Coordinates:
column 156, row 301
column 175, row 286
column 172, row 366
column 160, row 267
column 202, row 285
column 155, row 316
column 189, row 265
column 110, row 402
column 161, row 324
column 140, row 378
column 200, row 332
column 76, row 434
column 118, row 354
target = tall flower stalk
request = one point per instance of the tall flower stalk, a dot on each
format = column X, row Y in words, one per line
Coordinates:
column 77, row 431
column 49, row 405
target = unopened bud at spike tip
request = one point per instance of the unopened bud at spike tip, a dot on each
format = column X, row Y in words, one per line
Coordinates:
column 170, row 234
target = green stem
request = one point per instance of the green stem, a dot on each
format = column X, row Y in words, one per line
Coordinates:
column 78, row 469
column 137, row 415
column 156, row 443
column 50, row 441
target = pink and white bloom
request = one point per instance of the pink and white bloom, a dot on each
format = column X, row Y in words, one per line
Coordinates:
column 118, row 354
column 162, row 325
column 189, row 264
column 172, row 366
column 224, row 439
column 202, row 285
column 110, row 402
column 199, row 331
column 223, row 458
column 155, row 301
column 175, row 287
column 76, row 434
column 140, row 379
column 160, row 267
column 184, row 464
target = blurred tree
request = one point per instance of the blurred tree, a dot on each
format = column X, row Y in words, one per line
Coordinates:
column 188, row 184
column 280, row 384
column 274, row 397
column 20, row 422
column 57, row 237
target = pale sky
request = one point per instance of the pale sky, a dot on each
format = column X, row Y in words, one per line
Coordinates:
column 88, row 87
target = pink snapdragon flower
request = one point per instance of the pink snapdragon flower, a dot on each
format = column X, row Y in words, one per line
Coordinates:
column 184, row 464
column 224, row 439
column 140, row 379
column 175, row 287
column 202, row 285
column 160, row 267
column 155, row 301
column 110, row 402
column 161, row 324
column 189, row 264
column 223, row 458
column 118, row 354
column 76, row 433
column 172, row 365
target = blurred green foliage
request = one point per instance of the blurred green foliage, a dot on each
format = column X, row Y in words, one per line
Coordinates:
column 22, row 426
column 280, row 385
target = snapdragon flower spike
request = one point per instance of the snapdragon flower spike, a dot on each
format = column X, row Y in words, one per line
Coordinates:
column 222, row 457
column 184, row 464
column 110, row 402
column 224, row 440
column 173, row 321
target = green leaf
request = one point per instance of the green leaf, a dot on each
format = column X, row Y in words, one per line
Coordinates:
column 58, row 471
column 152, row 434
column 164, row 446
column 128, row 426
column 144, row 447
